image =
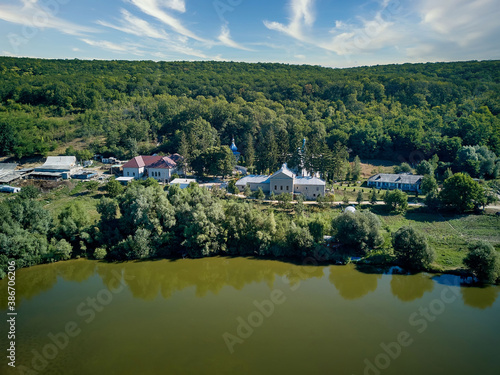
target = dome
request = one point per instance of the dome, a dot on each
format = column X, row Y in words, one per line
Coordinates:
column 350, row 209
column 233, row 146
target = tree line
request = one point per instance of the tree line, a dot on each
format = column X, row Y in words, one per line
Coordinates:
column 144, row 221
column 396, row 112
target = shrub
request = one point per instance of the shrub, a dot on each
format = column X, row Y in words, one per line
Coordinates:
column 396, row 200
column 411, row 249
column 100, row 253
column 29, row 192
column 114, row 188
column 360, row 230
column 247, row 191
column 483, row 261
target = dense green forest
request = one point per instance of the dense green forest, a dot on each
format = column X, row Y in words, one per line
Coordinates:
column 407, row 112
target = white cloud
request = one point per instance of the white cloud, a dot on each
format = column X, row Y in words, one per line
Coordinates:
column 461, row 21
column 31, row 14
column 136, row 26
column 370, row 35
column 154, row 9
column 302, row 14
column 114, row 47
column 178, row 5
column 225, row 39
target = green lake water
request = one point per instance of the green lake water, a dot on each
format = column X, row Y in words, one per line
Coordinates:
column 246, row 316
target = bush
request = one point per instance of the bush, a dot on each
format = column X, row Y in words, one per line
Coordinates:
column 411, row 249
column 62, row 249
column 231, row 187
column 29, row 192
column 483, row 261
column 246, row 191
column 358, row 230
column 100, row 253
column 92, row 185
column 114, row 188
column 396, row 200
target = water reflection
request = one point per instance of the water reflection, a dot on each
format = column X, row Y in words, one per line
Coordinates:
column 473, row 295
column 351, row 284
column 411, row 287
column 148, row 280
column 480, row 297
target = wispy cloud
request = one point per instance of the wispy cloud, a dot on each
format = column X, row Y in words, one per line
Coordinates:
column 136, row 26
column 32, row 14
column 461, row 21
column 114, row 47
column 302, row 14
column 225, row 38
column 364, row 36
column 154, row 9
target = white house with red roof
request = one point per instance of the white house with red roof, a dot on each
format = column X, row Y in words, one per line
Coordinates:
column 160, row 168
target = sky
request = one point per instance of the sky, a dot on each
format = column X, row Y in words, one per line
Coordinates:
column 317, row 32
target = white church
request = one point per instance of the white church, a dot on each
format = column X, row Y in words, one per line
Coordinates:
column 285, row 181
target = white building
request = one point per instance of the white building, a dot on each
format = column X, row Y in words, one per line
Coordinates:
column 183, row 182
column 160, row 168
column 285, row 181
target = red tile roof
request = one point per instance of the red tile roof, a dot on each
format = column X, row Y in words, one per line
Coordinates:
column 150, row 162
column 164, row 162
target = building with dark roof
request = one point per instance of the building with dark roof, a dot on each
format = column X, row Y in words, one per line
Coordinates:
column 160, row 168
column 402, row 181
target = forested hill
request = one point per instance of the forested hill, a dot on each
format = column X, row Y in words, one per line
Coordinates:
column 131, row 106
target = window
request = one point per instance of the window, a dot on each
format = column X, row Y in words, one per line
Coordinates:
column 128, row 173
column 133, row 174
column 281, row 187
column 317, row 188
column 275, row 187
column 287, row 188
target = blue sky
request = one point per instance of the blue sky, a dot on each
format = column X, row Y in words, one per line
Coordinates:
column 320, row 32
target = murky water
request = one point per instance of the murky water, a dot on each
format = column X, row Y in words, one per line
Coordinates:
column 245, row 316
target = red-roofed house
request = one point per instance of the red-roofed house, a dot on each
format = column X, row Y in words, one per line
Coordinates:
column 160, row 168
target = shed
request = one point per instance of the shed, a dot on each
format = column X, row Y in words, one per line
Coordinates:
column 124, row 180
column 85, row 175
column 183, row 182
column 58, row 164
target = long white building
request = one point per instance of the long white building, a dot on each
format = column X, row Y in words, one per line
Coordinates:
column 285, row 181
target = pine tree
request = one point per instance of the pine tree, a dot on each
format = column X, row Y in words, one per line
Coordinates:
column 373, row 196
column 249, row 151
column 356, row 169
column 359, row 198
